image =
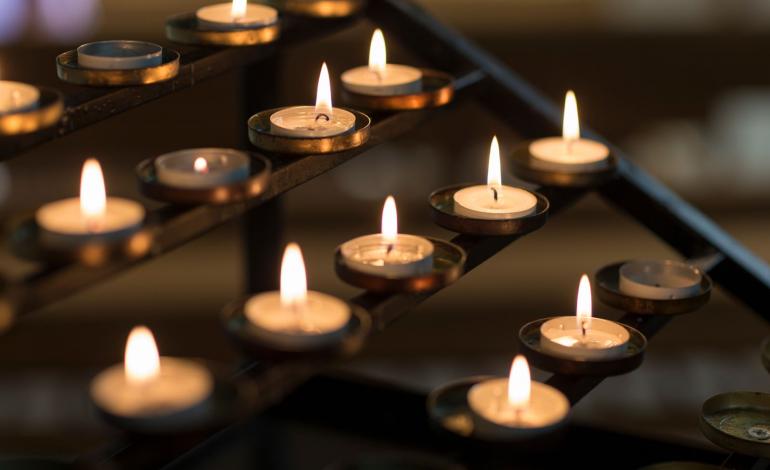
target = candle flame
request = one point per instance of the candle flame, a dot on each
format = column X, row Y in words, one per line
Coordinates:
column 238, row 10
column 323, row 100
column 389, row 220
column 571, row 123
column 377, row 52
column 494, row 177
column 93, row 196
column 200, row 165
column 293, row 277
column 142, row 362
column 519, row 383
column 583, row 312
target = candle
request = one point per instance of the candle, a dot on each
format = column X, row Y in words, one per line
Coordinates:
column 570, row 150
column 294, row 315
column 321, row 120
column 389, row 253
column 501, row 406
column 146, row 385
column 202, row 168
column 16, row 96
column 381, row 78
column 659, row 280
column 236, row 15
column 93, row 213
column 119, row 55
column 582, row 337
column 494, row 200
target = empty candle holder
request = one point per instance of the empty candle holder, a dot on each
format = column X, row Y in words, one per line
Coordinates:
column 204, row 176
column 42, row 112
column 321, row 8
column 117, row 63
column 653, row 287
column 225, row 24
column 738, row 422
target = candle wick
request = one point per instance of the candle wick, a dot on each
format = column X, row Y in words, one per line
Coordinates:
column 494, row 193
column 389, row 249
column 569, row 146
column 583, row 327
column 379, row 75
column 324, row 116
column 517, row 414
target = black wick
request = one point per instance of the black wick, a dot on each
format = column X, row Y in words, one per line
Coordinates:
column 379, row 75
column 390, row 248
column 494, row 193
column 583, row 327
column 322, row 115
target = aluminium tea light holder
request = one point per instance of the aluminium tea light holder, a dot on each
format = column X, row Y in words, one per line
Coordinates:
column 529, row 168
column 329, row 9
column 738, row 422
column 437, row 89
column 44, row 113
column 186, row 29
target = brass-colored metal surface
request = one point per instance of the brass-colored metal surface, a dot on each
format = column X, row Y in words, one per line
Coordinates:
column 320, row 8
column 448, row 265
column 250, row 188
column 738, row 422
column 261, row 135
column 68, row 70
column 46, row 113
column 525, row 166
column 444, row 214
column 607, row 281
column 529, row 339
column 437, row 90
column 185, row 29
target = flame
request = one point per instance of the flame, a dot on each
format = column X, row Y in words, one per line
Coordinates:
column 141, row 363
column 238, row 9
column 323, row 99
column 200, row 165
column 293, row 277
column 571, row 124
column 389, row 220
column 93, row 197
column 378, row 55
column 493, row 170
column 519, row 384
column 583, row 312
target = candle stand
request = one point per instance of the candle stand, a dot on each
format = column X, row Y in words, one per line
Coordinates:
column 437, row 90
column 531, row 169
column 69, row 70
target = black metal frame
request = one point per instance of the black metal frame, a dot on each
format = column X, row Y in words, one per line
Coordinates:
column 481, row 77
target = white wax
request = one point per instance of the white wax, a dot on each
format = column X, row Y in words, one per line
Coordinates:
column 64, row 217
column 16, row 96
column 119, row 55
column 180, row 385
column 494, row 416
column 223, row 166
column 479, row 202
column 322, row 318
column 659, row 280
column 303, row 121
column 219, row 16
column 604, row 339
column 408, row 256
column 580, row 154
column 394, row 80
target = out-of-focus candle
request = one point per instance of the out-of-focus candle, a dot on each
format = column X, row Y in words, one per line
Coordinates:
column 379, row 77
column 239, row 14
column 16, row 96
column 202, row 168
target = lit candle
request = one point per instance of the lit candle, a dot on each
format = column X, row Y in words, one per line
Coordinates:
column 381, row 78
column 294, row 315
column 570, row 149
column 503, row 407
column 147, row 385
column 659, row 280
column 389, row 253
column 239, row 14
column 494, row 200
column 202, row 168
column 93, row 213
column 119, row 55
column 321, row 120
column 16, row 96
column 582, row 337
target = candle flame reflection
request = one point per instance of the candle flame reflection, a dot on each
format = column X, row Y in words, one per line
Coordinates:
column 323, row 100
column 583, row 312
column 238, row 10
column 200, row 165
column 93, row 196
column 293, row 277
column 377, row 52
column 494, row 177
column 571, row 123
column 519, row 383
column 142, row 362
column 389, row 220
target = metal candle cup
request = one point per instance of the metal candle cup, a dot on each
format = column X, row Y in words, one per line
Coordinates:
column 660, row 280
column 119, row 55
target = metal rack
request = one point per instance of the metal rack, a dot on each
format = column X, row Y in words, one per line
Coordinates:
column 479, row 77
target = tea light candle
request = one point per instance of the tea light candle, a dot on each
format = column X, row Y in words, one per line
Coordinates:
column 16, row 96
column 582, row 337
column 146, row 385
column 659, row 280
column 236, row 15
column 570, row 150
column 119, row 55
column 494, row 201
column 389, row 253
column 93, row 213
column 202, row 168
column 515, row 406
column 294, row 315
column 323, row 120
column 381, row 78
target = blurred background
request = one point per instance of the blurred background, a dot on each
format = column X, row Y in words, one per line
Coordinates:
column 681, row 85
